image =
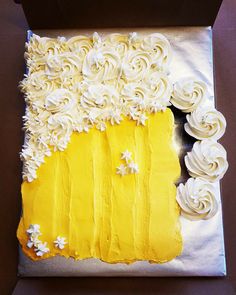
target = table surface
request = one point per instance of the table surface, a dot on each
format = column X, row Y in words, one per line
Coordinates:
column 13, row 28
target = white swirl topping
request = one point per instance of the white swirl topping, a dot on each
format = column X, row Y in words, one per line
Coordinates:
column 135, row 95
column 188, row 94
column 101, row 102
column 101, row 64
column 80, row 45
column 159, row 49
column 207, row 160
column 205, row 123
column 60, row 100
column 197, row 199
column 120, row 42
column 160, row 91
column 63, row 66
column 37, row 86
column 136, row 65
column 60, row 126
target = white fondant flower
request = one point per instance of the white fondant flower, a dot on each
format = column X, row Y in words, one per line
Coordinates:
column 60, row 242
column 101, row 125
column 33, row 229
column 188, row 94
column 197, row 199
column 121, row 170
column 205, row 123
column 141, row 119
column 126, row 155
column 33, row 241
column 207, row 160
column 41, row 249
column 133, row 167
column 66, row 65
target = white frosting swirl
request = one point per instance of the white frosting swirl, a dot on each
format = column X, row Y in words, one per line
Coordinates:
column 205, row 123
column 61, row 127
column 160, row 91
column 136, row 65
column 207, row 160
column 41, row 46
column 80, row 45
column 119, row 42
column 159, row 49
column 60, row 100
column 38, row 49
column 188, row 94
column 101, row 64
column 197, row 199
column 100, row 102
column 37, row 86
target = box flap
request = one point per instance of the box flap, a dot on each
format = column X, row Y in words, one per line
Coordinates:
column 64, row 14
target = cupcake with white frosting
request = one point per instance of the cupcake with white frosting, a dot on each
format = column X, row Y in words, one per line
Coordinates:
column 207, row 160
column 188, row 94
column 196, row 199
column 205, row 123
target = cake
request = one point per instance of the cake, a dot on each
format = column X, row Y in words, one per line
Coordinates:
column 100, row 161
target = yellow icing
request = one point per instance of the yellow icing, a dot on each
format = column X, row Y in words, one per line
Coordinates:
column 78, row 195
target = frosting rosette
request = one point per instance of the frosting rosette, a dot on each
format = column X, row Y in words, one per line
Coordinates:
column 188, row 94
column 38, row 48
column 160, row 91
column 207, row 160
column 101, row 64
column 41, row 46
column 36, row 87
column 60, row 100
column 135, row 95
column 80, row 45
column 196, row 199
column 135, row 65
column 120, row 42
column 63, row 66
column 101, row 102
column 159, row 49
column 60, row 126
column 205, row 123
